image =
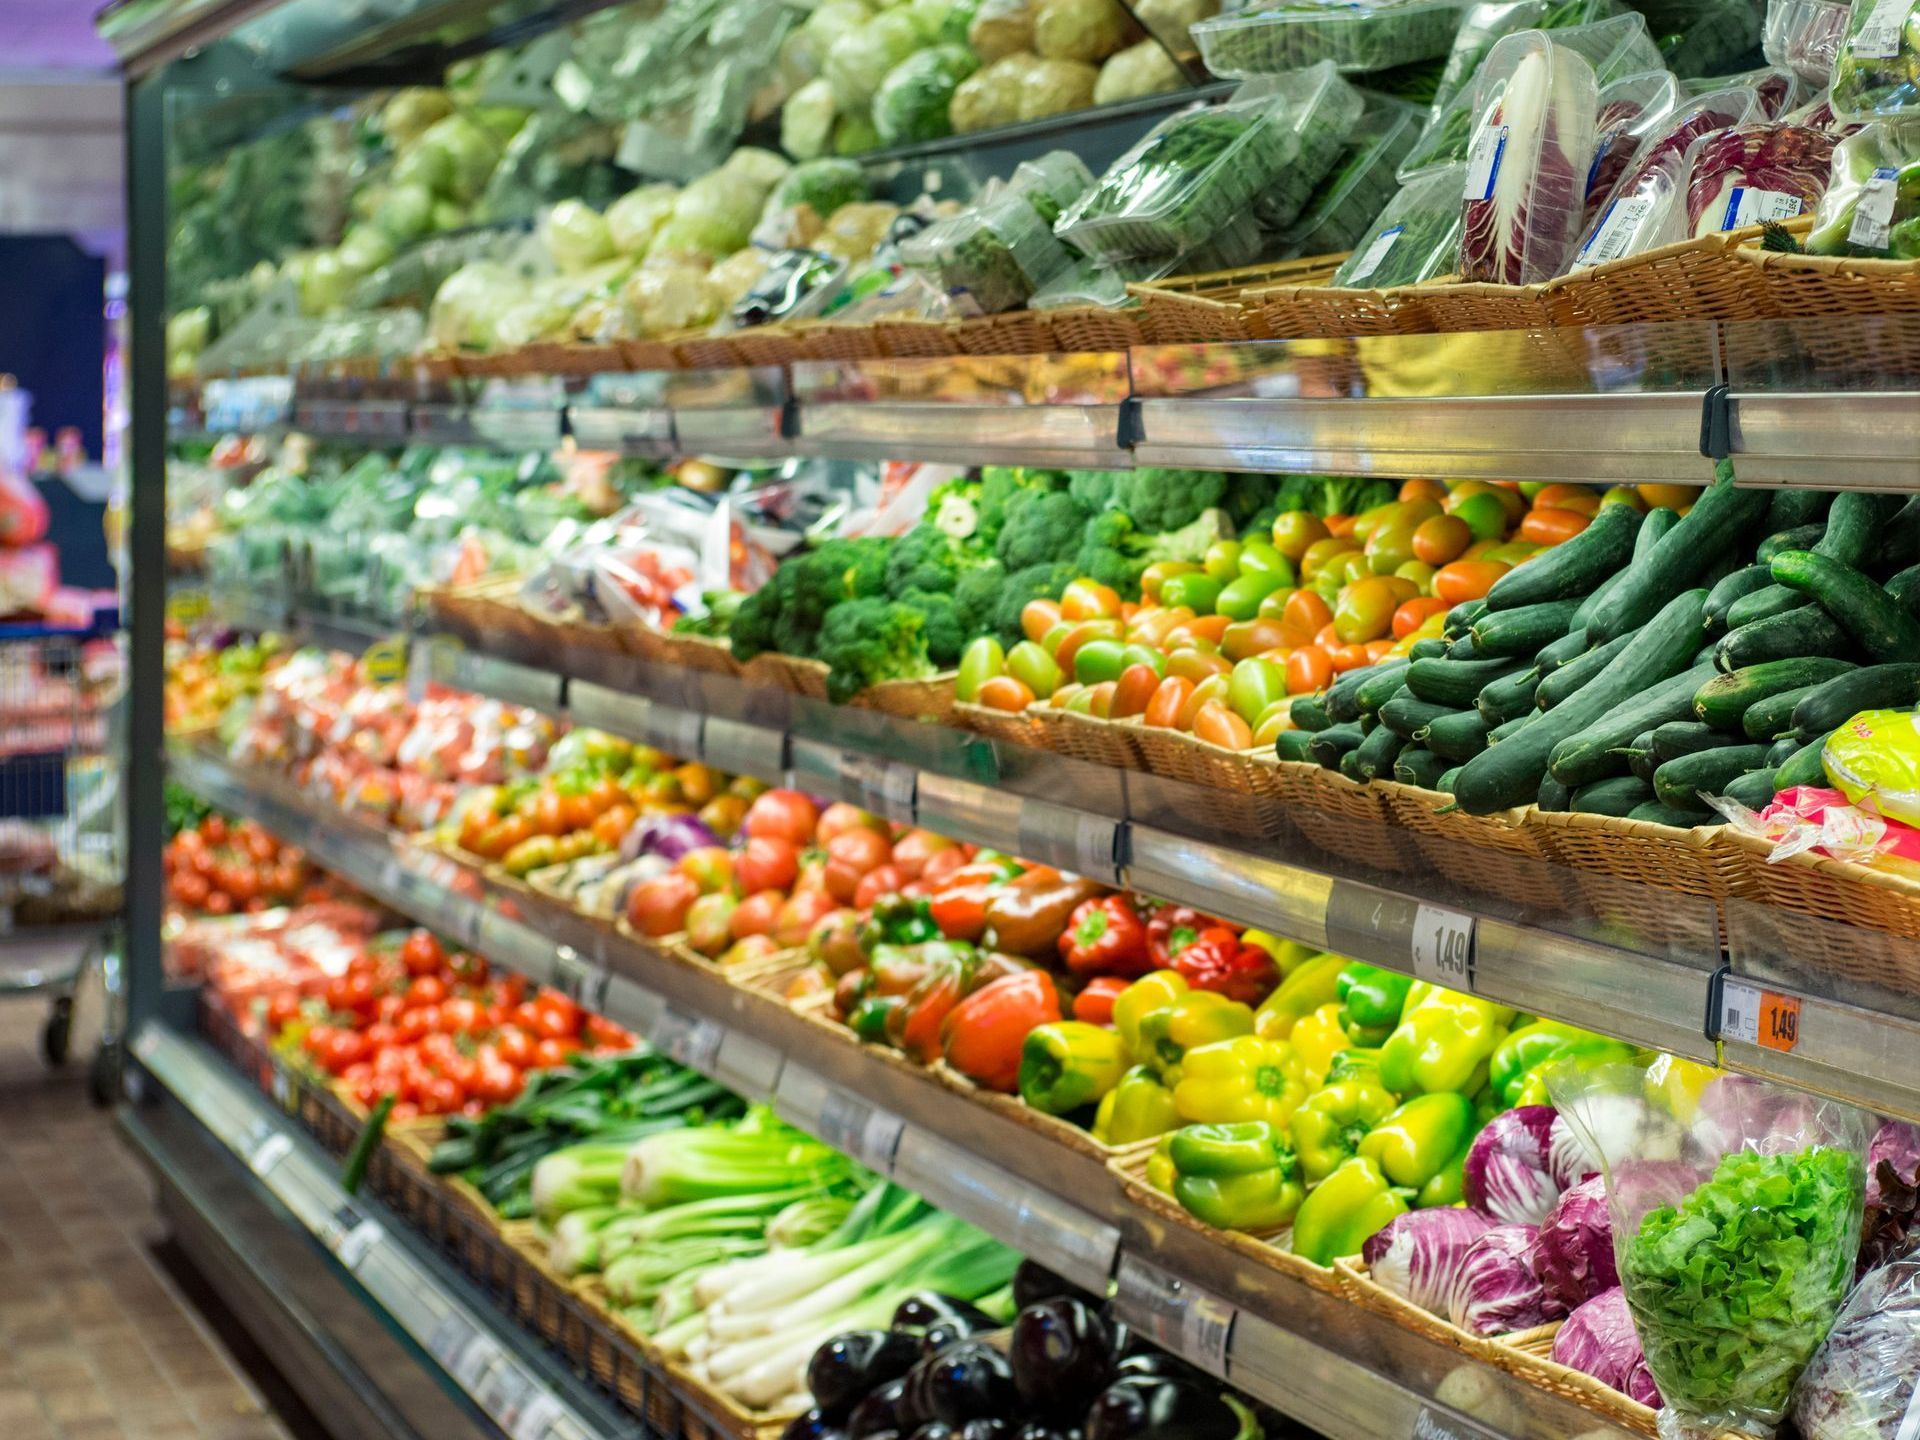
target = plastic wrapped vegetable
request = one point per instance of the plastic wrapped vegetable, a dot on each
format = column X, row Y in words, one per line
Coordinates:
column 1805, row 36
column 1598, row 1339
column 1753, row 173
column 991, row 257
column 1142, row 69
column 1418, row 1255
column 1361, row 182
column 991, row 96
column 1632, row 111
column 1087, row 30
column 1778, row 91
column 911, row 103
column 1525, row 184
column 860, row 59
column 806, row 120
column 665, row 296
column 636, row 217
column 1872, row 204
column 1416, row 238
column 1877, row 69
column 1364, row 36
column 1001, row 28
column 1861, row 1386
column 1053, row 87
column 576, row 236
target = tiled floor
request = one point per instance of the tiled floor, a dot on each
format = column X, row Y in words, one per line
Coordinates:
column 104, row 1333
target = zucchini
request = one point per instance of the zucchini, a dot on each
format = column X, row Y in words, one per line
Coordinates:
column 1687, row 551
column 1794, row 506
column 1564, row 651
column 1662, row 814
column 1309, row 712
column 1805, row 631
column 1770, row 599
column 1343, row 695
column 1801, row 537
column 1682, row 781
column 1740, row 583
column 1723, row 700
column 1782, row 751
column 1654, row 524
column 1596, row 750
column 1464, row 648
column 1374, row 756
column 1553, row 795
column 1448, row 779
column 1874, row 619
column 1675, row 738
column 1292, row 744
column 1640, row 757
column 1406, row 715
column 1457, row 683
column 1459, row 736
column 1417, row 765
column 1803, row 767
column 1570, row 571
column 1616, row 795
column 1461, row 617
column 1509, row 773
column 1570, row 677
column 1753, row 789
column 1429, row 647
column 1509, row 697
column 1769, row 719
column 1525, row 630
column 1877, row 687
column 1328, row 745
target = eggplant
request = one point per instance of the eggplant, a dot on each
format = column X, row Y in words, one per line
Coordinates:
column 945, row 1334
column 850, row 1366
column 934, row 1430
column 880, row 1411
column 1033, row 1282
column 814, row 1425
column 971, row 1381
column 1157, row 1408
column 987, row 1429
column 1062, row 1356
column 929, row 1307
column 1158, row 1364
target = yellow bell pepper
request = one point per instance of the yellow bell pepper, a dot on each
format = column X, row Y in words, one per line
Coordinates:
column 1675, row 1084
column 1160, row 1168
column 1197, row 1018
column 1289, row 955
column 1245, row 1078
column 1316, row 1039
column 1313, row 984
column 1141, row 998
column 1138, row 1108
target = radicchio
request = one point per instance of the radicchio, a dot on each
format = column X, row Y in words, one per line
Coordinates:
column 1417, row 1255
column 1569, row 1160
column 668, row 836
column 1599, row 1340
column 1860, row 1385
column 1533, row 144
column 1495, row 1292
column 1508, row 1175
column 1573, row 1254
column 1639, row 215
column 1895, row 1141
column 1630, row 111
column 1790, row 161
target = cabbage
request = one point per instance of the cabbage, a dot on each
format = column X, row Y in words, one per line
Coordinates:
column 990, row 97
column 409, row 112
column 1507, row 1172
column 636, row 217
column 323, row 283
column 859, row 61
column 1495, row 1292
column 1078, row 29
column 1052, row 87
column 1573, row 1256
column 714, row 216
column 543, row 315
column 757, row 167
column 466, row 305
column 1599, row 1340
column 404, row 213
column 1143, row 69
column 575, row 235
column 1418, row 1255
column 664, row 296
column 363, row 248
column 945, row 22
column 911, row 103
column 1861, row 1384
column 825, row 185
column 855, row 135
column 1728, row 168
column 829, row 21
column 465, row 155
column 1568, row 1159
column 806, row 121
column 1000, row 28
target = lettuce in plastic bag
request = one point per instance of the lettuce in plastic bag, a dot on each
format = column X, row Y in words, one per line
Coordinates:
column 912, row 102
column 576, row 236
column 860, row 59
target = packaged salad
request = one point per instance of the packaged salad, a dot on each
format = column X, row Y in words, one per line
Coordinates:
column 1632, row 111
column 1192, row 176
column 1779, row 91
column 1416, row 238
column 1268, row 39
column 1755, row 173
column 990, row 257
column 1877, row 68
column 1360, row 183
column 1525, row 186
column 1804, row 36
column 1872, row 204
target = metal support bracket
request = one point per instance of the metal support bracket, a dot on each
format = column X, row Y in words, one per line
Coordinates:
column 1716, row 422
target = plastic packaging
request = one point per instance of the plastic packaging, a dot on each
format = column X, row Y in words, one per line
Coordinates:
column 794, row 283
column 1710, row 38
column 1780, row 91
column 1872, row 204
column 1361, row 182
column 1875, row 760
column 1645, row 210
column 1863, row 1382
column 1736, row 1210
column 1416, row 238
column 1484, row 25
column 1191, row 176
column 1524, row 190
column 1755, row 173
column 1804, row 36
column 1877, row 68
column 1632, row 110
column 992, row 257
column 1363, row 36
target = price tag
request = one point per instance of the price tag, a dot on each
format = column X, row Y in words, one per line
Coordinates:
column 472, row 1363
column 280, row 1085
column 579, row 978
column 1483, row 162
column 688, row 1039
column 502, row 1392
column 1371, row 257
column 1617, row 229
column 1205, row 1328
column 1443, row 947
column 1749, row 205
column 538, row 1417
column 356, row 1244
column 1873, row 216
column 450, row 1339
column 1759, row 1017
column 1175, row 1315
column 1879, row 38
column 270, row 1152
column 855, row 1128
column 675, row 731
column 385, row 661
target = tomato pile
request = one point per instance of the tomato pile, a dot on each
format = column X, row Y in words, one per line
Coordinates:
column 220, row 868
column 434, row 1029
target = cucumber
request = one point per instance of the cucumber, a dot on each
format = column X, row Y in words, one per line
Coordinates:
column 1461, row 617
column 1569, row 678
column 1374, row 756
column 1731, row 560
column 1407, row 715
column 1875, row 620
column 1616, row 795
column 1704, row 655
column 1877, row 687
column 1849, row 535
column 1448, row 779
column 1723, row 700
column 1457, row 683
column 1571, row 570
column 1654, row 524
column 1904, row 587
column 1417, row 765
column 1640, row 757
column 1740, row 583
column 1900, row 536
column 1553, row 795
column 1595, row 750
column 1681, row 782
column 1753, row 789
column 1803, row 767
column 1343, row 695
column 1309, row 712
column 1769, row 719
column 1509, row 773
column 1524, row 630
column 1349, row 766
column 1430, row 647
column 1328, row 745
column 1662, row 814
column 1795, row 506
column 1782, row 751
column 1564, row 651
column 1684, row 737
column 1464, row 648
column 1807, row 630
column 1770, row 599
column 1386, row 680
column 1459, row 736
column 1687, row 551
column 1507, row 729
column 1800, row 537
column 1508, row 698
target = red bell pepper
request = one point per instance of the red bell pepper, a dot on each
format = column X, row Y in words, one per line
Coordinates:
column 1170, row 930
column 961, row 910
column 915, row 1026
column 1105, row 937
column 1094, row 1003
column 1218, row 960
column 983, row 1035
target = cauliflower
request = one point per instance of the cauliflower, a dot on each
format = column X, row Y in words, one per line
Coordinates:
column 990, row 97
column 665, row 296
column 1000, row 28
column 1052, row 87
column 1142, row 69
column 911, row 104
column 1171, row 21
column 636, row 217
column 859, row 61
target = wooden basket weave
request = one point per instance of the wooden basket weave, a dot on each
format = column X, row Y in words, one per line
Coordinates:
column 1359, row 1287
column 1528, row 1356
column 1343, row 818
column 1011, row 727
column 1454, row 843
column 930, row 699
column 1232, row 792
column 1113, row 743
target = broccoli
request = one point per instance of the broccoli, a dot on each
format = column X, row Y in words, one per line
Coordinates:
column 1036, row 582
column 976, row 597
column 1115, row 550
column 1041, row 525
column 1161, row 500
column 999, row 484
column 868, row 640
column 946, row 637
column 1248, row 498
column 786, row 613
column 1094, row 488
column 928, row 558
column 955, row 508
column 756, row 621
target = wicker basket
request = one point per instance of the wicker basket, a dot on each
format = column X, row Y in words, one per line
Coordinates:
column 1017, row 332
column 828, row 340
column 767, row 345
column 1453, row 842
column 1011, row 727
column 1358, row 1286
column 1233, row 794
column 1528, row 1356
column 791, row 673
column 1196, row 309
column 1060, row 1131
column 474, row 612
column 706, row 1414
column 1113, row 743
column 1346, row 819
column 1824, row 286
column 930, row 699
column 1324, row 312
column 1623, row 864
column 1691, row 280
column 916, row 339
column 1872, row 916
column 1094, row 329
column 709, row 352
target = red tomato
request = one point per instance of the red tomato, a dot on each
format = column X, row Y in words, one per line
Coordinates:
column 943, row 863
column 380, row 1035
column 549, row 1053
column 781, row 815
column 841, row 817
column 441, row 1095
column 417, row 1022
column 757, row 914
column 497, row 1082
column 556, row 1017
column 388, row 1007
column 350, row 992
column 514, row 1045
column 915, row 848
column 219, row 903
column 771, row 863
column 422, row 953
column 711, row 867
column 799, row 914
column 427, row 990
column 367, row 1091
column 850, row 857
column 213, row 829
column 462, row 1016
column 282, row 1006
column 886, row 880
column 659, row 906
column 341, row 1049
column 606, row 1035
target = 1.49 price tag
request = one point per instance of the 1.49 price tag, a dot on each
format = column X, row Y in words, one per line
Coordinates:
column 1759, row 1017
column 1442, row 945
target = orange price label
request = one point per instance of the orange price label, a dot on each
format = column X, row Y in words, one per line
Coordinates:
column 1779, row 1020
column 1759, row 1017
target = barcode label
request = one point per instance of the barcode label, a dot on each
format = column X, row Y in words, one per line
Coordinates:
column 270, row 1152
column 1879, row 38
column 1750, row 206
column 687, row 1038
column 1873, row 216
column 855, row 1128
column 1617, row 230
column 356, row 1244
column 1371, row 257
column 1483, row 161
column 471, row 1366
column 1739, row 1012
column 1205, row 1330
column 1443, row 947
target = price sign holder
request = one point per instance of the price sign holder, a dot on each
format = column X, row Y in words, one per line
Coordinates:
column 882, row 786
column 1752, row 1015
column 268, row 1151
column 580, row 979
column 352, row 1235
column 1179, row 1317
column 1068, row 1241
column 1075, row 840
column 1442, row 947
column 744, row 749
column 538, row 1417
column 844, row 1121
column 748, row 1067
column 688, row 1039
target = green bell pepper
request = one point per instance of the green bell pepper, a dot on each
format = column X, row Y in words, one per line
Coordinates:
column 1069, row 1063
column 1518, row 1066
column 1415, row 1142
column 1444, row 1041
column 1449, row 1186
column 1237, row 1177
column 1138, row 1108
column 1371, row 1001
column 1343, row 1210
column 1330, row 1124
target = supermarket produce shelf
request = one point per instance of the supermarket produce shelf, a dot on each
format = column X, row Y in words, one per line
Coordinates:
column 1329, row 1363
column 488, row 1378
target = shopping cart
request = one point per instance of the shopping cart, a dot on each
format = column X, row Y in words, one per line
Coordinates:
column 61, row 871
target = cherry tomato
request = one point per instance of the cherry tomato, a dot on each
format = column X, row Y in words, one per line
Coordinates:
column 1217, row 725
column 514, row 1045
column 782, row 814
column 1309, row 669
column 422, row 953
column 441, row 1095
column 462, row 1016
column 426, row 990
column 550, row 1053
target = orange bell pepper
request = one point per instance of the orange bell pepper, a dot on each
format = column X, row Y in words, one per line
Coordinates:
column 982, row 1036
